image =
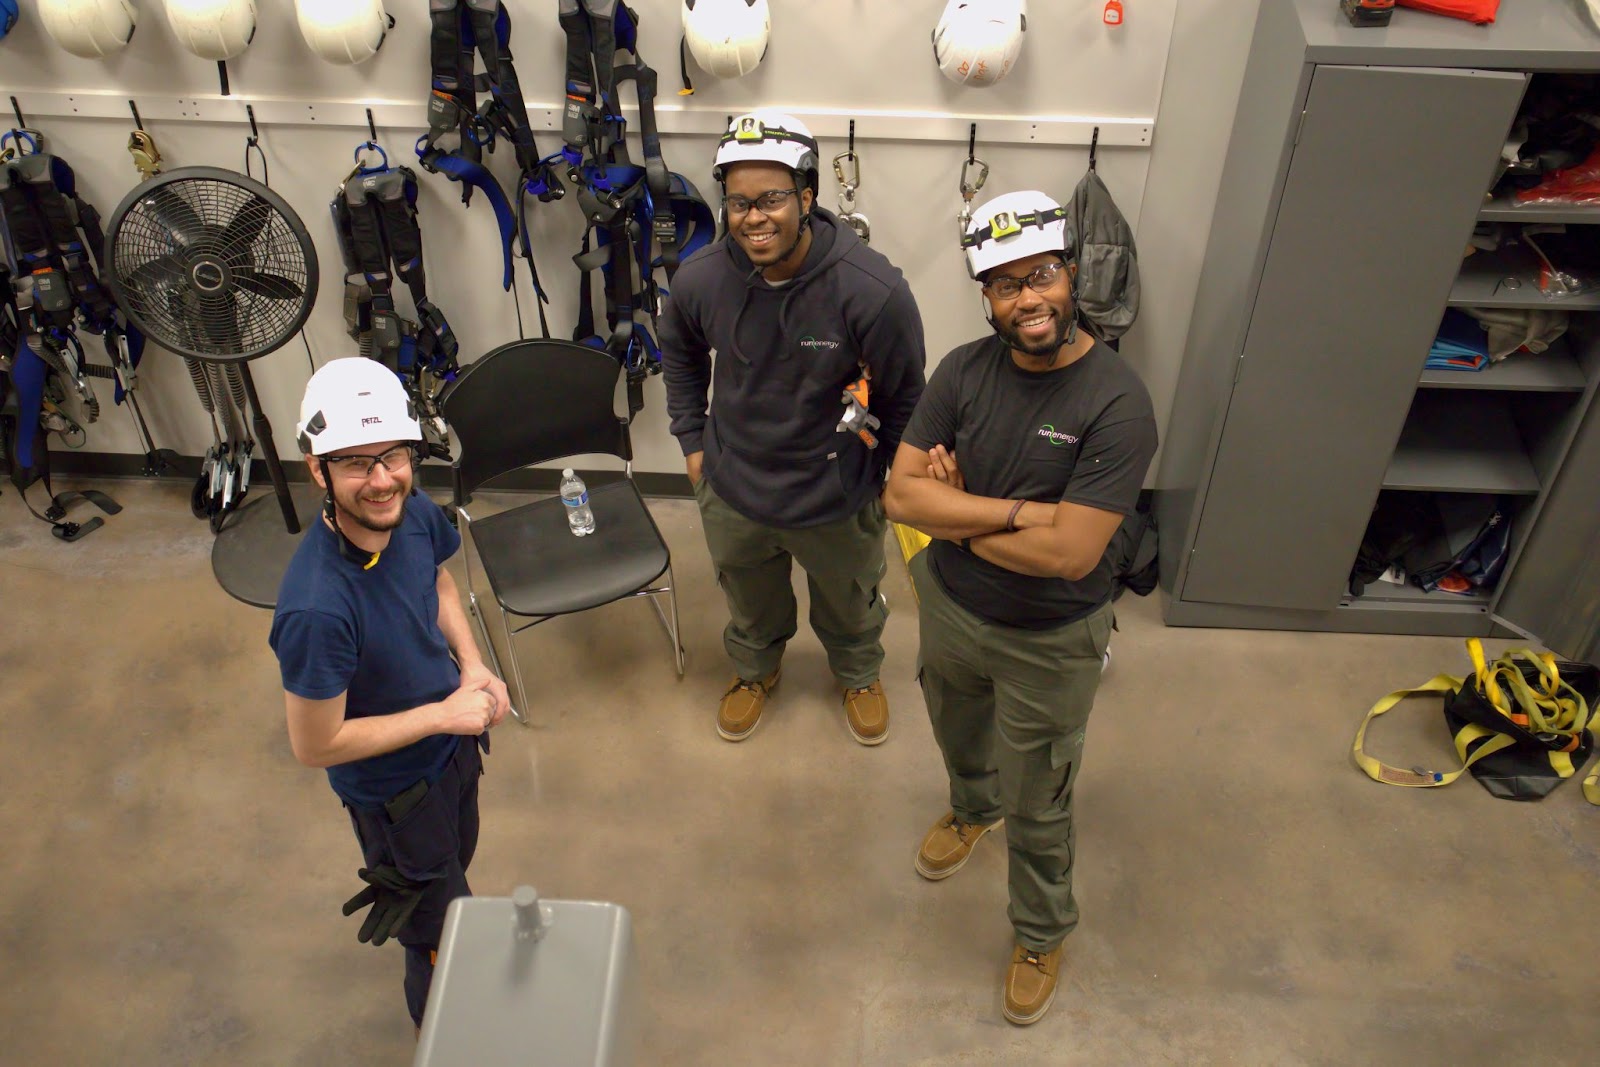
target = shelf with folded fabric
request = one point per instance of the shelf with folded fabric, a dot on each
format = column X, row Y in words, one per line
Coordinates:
column 1462, row 442
column 1551, row 371
column 1505, row 209
column 1509, row 278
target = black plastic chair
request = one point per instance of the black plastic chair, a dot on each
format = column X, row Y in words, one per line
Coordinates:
column 530, row 402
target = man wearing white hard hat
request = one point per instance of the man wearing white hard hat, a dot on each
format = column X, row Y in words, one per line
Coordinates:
column 383, row 682
column 1025, row 453
column 819, row 360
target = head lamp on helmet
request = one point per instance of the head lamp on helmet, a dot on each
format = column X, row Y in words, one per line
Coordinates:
column 768, row 137
column 1015, row 226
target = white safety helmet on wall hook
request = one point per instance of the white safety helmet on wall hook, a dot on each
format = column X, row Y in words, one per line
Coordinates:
column 345, row 32
column 728, row 38
column 771, row 137
column 1015, row 226
column 213, row 29
column 89, row 28
column 977, row 41
column 354, row 401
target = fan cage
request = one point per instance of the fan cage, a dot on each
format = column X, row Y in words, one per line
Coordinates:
column 166, row 228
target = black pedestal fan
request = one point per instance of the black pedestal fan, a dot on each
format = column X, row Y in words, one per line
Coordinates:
column 215, row 266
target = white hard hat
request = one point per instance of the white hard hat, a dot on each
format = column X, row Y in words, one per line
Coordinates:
column 89, row 28
column 727, row 37
column 354, row 401
column 213, row 29
column 343, row 31
column 1015, row 226
column 977, row 41
column 771, row 137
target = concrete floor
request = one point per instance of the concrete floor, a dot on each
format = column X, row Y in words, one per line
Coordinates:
column 173, row 877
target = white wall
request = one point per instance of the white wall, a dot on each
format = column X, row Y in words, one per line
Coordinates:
column 826, row 54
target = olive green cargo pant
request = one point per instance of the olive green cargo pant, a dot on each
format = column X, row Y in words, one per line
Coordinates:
column 843, row 562
column 1009, row 709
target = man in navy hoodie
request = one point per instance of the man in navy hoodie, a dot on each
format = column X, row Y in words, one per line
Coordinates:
column 784, row 465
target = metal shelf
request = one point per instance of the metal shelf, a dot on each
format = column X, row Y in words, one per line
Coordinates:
column 1551, row 371
column 1461, row 443
column 1481, row 283
column 1505, row 209
column 1405, row 597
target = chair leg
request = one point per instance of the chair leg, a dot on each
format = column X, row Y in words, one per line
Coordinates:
column 516, row 669
column 670, row 625
column 476, row 612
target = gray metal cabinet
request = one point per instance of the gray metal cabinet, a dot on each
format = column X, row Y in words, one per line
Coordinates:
column 1356, row 172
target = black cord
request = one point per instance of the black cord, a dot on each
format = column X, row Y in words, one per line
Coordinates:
column 309, row 357
column 517, row 299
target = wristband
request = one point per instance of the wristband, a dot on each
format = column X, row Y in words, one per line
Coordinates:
column 1011, row 519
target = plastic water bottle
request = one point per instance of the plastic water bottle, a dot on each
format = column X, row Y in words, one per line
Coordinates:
column 576, row 496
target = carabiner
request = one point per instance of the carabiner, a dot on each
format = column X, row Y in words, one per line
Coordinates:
column 969, row 188
column 854, row 181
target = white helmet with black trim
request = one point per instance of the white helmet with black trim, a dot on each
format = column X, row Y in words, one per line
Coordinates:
column 345, row 32
column 727, row 38
column 770, row 137
column 354, row 401
column 1015, row 226
column 977, row 41
column 89, row 28
column 213, row 29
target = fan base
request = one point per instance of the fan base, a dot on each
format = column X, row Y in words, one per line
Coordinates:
column 253, row 550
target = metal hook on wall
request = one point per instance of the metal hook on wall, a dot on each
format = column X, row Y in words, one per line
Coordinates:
column 1094, row 147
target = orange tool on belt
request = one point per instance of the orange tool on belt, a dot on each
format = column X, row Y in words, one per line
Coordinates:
column 857, row 418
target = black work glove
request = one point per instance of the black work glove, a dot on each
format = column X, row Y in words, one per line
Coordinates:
column 393, row 897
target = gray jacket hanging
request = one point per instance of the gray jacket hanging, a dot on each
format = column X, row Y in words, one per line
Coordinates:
column 1108, row 265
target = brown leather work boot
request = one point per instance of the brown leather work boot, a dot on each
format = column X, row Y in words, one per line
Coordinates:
column 1031, row 984
column 948, row 846
column 866, row 712
column 740, row 711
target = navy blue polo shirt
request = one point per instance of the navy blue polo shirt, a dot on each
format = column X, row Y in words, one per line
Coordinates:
column 374, row 636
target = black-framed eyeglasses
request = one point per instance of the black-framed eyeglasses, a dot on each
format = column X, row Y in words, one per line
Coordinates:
column 1005, row 287
column 395, row 460
column 769, row 202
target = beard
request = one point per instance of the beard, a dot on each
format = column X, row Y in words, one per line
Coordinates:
column 361, row 514
column 1044, row 350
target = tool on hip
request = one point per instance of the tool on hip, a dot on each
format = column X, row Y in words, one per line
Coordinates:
column 849, row 186
column 857, row 418
column 1367, row 12
column 974, row 172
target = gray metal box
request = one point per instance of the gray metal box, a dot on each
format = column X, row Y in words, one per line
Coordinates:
column 534, row 983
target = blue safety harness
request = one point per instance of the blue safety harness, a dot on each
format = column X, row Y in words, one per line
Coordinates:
column 629, row 207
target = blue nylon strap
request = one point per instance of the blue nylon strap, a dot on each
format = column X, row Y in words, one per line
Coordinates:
column 476, row 175
column 27, row 378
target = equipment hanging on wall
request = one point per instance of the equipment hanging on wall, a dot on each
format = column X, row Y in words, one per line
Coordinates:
column 213, row 29
column 849, row 186
column 52, row 293
column 728, row 38
column 459, row 129
column 375, row 215
column 92, row 29
column 345, row 32
column 1108, row 286
column 977, row 42
column 629, row 207
column 974, row 172
column 8, row 16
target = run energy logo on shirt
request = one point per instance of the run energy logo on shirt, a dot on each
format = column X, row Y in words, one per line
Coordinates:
column 813, row 342
column 1056, row 439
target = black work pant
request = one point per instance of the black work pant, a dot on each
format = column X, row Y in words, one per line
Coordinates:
column 441, row 835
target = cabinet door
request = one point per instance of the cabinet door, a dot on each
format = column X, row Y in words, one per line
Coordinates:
column 1553, row 593
column 1387, row 176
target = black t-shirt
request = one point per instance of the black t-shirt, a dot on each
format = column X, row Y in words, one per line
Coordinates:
column 1084, row 434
